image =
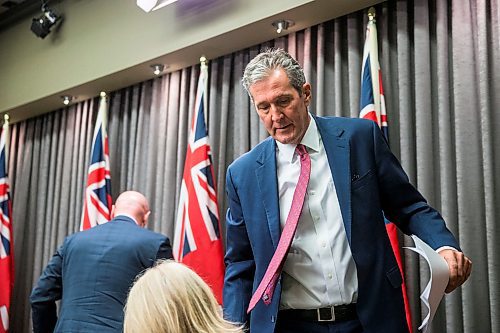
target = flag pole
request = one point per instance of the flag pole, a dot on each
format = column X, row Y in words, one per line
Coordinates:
column 197, row 239
column 6, row 128
column 373, row 107
column 6, row 231
column 97, row 200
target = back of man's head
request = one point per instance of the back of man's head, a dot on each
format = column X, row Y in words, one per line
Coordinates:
column 134, row 204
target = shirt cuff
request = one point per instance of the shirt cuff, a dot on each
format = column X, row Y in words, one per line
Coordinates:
column 447, row 248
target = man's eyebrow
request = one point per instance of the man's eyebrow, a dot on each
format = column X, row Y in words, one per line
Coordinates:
column 261, row 103
column 284, row 95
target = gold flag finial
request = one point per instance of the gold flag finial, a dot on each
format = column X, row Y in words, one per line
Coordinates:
column 6, row 118
column 371, row 14
column 103, row 94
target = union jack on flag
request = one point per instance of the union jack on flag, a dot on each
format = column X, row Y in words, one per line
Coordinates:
column 372, row 104
column 197, row 242
column 6, row 236
column 97, row 198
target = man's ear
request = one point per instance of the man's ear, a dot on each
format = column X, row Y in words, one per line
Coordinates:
column 306, row 90
column 145, row 219
column 112, row 211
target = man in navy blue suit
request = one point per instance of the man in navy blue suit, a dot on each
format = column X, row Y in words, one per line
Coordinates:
column 339, row 273
column 93, row 270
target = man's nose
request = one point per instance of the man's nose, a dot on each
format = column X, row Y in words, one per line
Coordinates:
column 276, row 113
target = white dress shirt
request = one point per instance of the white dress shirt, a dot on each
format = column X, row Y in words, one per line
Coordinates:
column 319, row 270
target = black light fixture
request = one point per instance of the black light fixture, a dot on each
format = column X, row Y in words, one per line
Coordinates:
column 41, row 25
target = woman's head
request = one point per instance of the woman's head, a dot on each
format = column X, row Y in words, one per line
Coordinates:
column 170, row 297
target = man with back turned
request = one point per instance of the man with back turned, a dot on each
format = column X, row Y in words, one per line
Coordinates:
column 92, row 271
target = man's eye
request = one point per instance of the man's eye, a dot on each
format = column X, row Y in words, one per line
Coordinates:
column 283, row 102
column 263, row 108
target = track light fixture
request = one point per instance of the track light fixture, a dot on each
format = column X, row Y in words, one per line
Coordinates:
column 282, row 25
column 157, row 68
column 41, row 25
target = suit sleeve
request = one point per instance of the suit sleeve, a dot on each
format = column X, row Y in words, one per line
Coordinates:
column 45, row 294
column 402, row 202
column 239, row 260
column 165, row 250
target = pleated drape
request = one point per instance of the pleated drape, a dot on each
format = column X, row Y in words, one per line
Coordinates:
column 440, row 64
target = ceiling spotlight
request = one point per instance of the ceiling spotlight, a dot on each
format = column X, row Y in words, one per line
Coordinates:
column 157, row 68
column 150, row 5
column 67, row 99
column 282, row 25
column 41, row 26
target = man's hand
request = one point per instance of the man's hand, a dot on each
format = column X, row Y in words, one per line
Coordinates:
column 460, row 267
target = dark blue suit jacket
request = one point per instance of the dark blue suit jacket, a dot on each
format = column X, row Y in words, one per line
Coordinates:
column 369, row 180
column 92, row 272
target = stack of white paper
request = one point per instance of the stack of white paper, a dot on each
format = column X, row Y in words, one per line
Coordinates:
column 434, row 291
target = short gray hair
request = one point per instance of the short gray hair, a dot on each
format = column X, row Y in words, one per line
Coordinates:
column 260, row 67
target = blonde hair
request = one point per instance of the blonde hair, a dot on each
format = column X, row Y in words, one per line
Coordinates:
column 171, row 298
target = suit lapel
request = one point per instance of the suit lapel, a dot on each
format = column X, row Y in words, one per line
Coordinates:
column 268, row 187
column 337, row 151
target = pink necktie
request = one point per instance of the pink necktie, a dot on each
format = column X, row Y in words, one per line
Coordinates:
column 268, row 283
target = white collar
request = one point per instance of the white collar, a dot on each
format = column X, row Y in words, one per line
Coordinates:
column 129, row 216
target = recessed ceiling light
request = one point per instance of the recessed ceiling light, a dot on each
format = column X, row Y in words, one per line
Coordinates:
column 282, row 25
column 66, row 99
column 157, row 68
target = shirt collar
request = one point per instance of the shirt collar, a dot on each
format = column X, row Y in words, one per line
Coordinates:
column 310, row 140
column 129, row 216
